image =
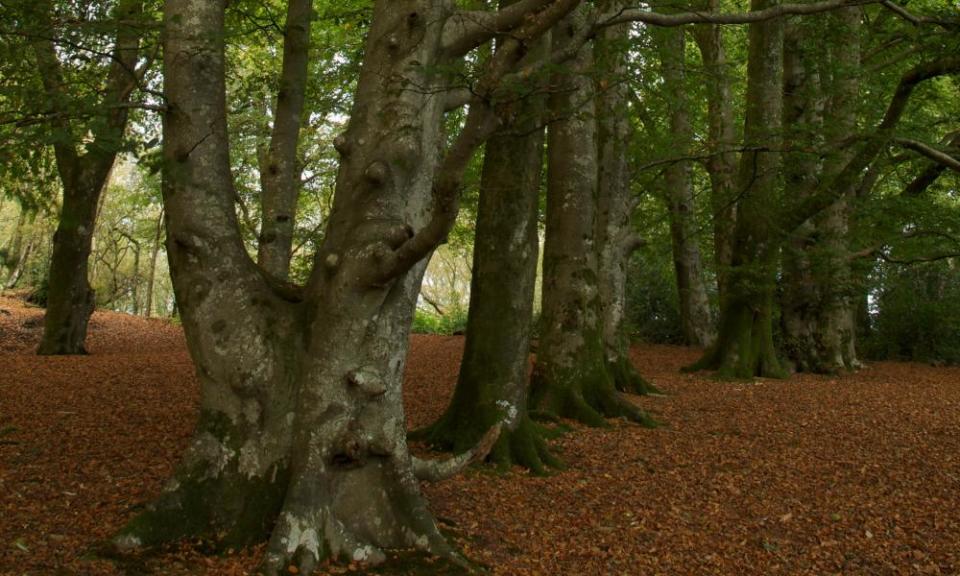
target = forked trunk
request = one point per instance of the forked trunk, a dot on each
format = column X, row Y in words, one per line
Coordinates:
column 818, row 310
column 572, row 378
column 71, row 300
column 722, row 138
column 302, row 429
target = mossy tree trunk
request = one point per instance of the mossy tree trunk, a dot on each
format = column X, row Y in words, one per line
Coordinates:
column 572, row 378
column 301, row 436
column 71, row 300
column 494, row 374
column 744, row 346
column 616, row 237
column 696, row 317
column 821, row 94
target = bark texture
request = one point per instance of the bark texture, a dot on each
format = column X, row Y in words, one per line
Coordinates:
column 744, row 346
column 302, row 431
column 821, row 90
column 696, row 317
column 280, row 167
column 571, row 377
column 71, row 300
column 494, row 374
column 616, row 239
column 721, row 139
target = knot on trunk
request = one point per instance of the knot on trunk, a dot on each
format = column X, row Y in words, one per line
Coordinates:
column 368, row 381
column 342, row 145
column 397, row 235
column 377, row 173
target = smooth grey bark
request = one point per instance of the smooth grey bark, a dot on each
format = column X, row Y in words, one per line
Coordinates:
column 571, row 376
column 616, row 238
column 721, row 141
column 493, row 382
column 696, row 317
column 71, row 300
column 280, row 168
column 302, row 430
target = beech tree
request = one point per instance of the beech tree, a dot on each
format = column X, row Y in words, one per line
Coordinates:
column 280, row 169
column 696, row 317
column 493, row 382
column 745, row 345
column 85, row 149
column 302, row 430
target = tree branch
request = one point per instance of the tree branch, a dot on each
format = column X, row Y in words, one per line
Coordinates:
column 930, row 152
column 696, row 17
column 468, row 29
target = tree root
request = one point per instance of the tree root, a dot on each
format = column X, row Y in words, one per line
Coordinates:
column 437, row 470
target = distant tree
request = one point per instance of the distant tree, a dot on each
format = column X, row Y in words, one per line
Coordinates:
column 85, row 84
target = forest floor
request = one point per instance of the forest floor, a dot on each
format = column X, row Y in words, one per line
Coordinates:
column 814, row 475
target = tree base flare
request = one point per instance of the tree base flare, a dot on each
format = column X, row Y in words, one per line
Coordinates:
column 588, row 396
column 524, row 444
column 628, row 380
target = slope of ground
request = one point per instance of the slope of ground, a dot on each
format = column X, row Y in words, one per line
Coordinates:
column 815, row 475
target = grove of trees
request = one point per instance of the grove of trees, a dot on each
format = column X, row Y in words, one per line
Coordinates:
column 775, row 183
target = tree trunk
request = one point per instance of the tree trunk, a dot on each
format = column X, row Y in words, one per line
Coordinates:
column 302, row 429
column 696, row 317
column 571, row 377
column 152, row 272
column 280, row 166
column 493, row 382
column 744, row 346
column 818, row 304
column 722, row 137
column 616, row 238
column 71, row 300
column 19, row 248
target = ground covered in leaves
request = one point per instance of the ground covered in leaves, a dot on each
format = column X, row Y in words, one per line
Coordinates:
column 815, row 475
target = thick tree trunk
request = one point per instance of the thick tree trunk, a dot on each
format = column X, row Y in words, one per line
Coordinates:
column 280, row 166
column 70, row 299
column 494, row 374
column 616, row 238
column 818, row 304
column 696, row 318
column 571, row 377
column 803, row 124
column 302, row 430
column 744, row 346
column 722, row 138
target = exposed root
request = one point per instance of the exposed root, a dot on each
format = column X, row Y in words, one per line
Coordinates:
column 627, row 379
column 437, row 470
column 526, row 446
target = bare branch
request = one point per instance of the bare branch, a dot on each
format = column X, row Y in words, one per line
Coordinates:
column 683, row 18
column 467, row 29
column 918, row 20
column 930, row 152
